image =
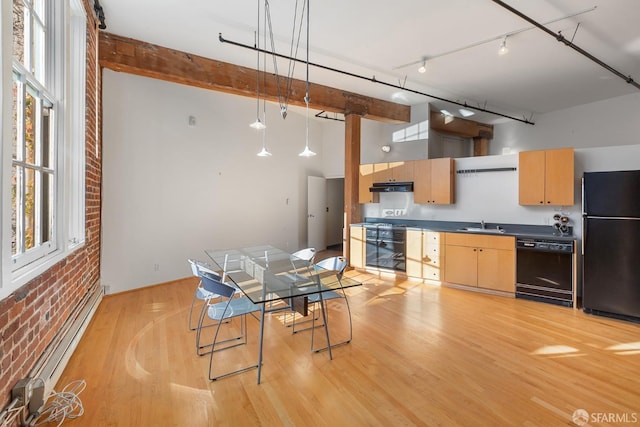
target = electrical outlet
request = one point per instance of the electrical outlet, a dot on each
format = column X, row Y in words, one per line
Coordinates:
column 22, row 391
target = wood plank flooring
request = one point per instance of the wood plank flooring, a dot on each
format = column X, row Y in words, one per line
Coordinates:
column 422, row 355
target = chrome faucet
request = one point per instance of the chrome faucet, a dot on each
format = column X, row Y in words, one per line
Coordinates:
column 483, row 225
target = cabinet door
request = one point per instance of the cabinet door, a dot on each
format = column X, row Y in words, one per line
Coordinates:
column 531, row 177
column 443, row 181
column 432, row 255
column 422, row 182
column 460, row 265
column 365, row 180
column 356, row 246
column 414, row 253
column 496, row 269
column 401, row 171
column 559, row 181
column 381, row 172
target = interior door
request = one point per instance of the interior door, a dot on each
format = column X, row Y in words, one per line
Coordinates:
column 317, row 212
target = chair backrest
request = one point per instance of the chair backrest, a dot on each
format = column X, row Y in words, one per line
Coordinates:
column 213, row 284
column 336, row 263
column 307, row 254
column 199, row 267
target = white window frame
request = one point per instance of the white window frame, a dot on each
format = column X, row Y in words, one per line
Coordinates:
column 69, row 88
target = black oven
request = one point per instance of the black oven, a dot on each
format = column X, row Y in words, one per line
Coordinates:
column 385, row 246
column 544, row 270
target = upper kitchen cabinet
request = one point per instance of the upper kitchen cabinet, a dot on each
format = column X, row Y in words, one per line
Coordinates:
column 393, row 172
column 365, row 182
column 546, row 177
column 434, row 181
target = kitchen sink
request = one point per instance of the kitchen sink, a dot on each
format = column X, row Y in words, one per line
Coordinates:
column 482, row 230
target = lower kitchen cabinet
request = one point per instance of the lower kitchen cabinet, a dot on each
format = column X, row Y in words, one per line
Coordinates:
column 357, row 245
column 424, row 254
column 481, row 261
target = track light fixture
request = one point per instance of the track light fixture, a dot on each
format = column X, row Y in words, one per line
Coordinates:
column 503, row 47
column 423, row 67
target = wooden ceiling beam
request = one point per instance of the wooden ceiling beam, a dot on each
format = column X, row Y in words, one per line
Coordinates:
column 458, row 126
column 145, row 59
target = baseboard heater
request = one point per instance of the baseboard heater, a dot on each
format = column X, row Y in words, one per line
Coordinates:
column 55, row 358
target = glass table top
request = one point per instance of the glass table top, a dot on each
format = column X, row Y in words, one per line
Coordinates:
column 266, row 273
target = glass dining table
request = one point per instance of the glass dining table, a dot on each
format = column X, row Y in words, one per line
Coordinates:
column 266, row 274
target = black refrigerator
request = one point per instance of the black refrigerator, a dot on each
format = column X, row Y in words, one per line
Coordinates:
column 611, row 242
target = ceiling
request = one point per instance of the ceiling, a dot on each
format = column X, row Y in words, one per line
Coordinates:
column 387, row 40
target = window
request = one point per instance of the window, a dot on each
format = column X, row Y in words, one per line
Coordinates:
column 45, row 146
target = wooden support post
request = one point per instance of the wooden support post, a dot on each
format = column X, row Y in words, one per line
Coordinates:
column 352, row 211
column 480, row 146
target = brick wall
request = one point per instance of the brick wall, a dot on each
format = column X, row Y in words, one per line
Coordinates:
column 32, row 316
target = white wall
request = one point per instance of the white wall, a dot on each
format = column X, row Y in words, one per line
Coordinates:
column 606, row 123
column 170, row 191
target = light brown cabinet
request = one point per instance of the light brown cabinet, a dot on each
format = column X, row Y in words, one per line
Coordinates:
column 425, row 253
column 481, row 261
column 365, row 181
column 434, row 181
column 546, row 177
column 393, row 171
column 357, row 245
column 382, row 172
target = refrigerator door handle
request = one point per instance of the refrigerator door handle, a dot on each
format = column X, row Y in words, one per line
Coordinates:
column 584, row 233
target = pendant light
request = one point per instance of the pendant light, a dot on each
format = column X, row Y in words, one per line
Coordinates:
column 307, row 152
column 258, row 124
column 264, row 152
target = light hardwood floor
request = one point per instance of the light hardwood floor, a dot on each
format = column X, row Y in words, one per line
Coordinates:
column 422, row 355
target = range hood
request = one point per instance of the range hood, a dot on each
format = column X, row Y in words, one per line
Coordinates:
column 392, row 187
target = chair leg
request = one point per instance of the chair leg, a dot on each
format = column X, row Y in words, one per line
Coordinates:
column 293, row 323
column 243, row 330
column 193, row 302
column 341, row 342
column 200, row 347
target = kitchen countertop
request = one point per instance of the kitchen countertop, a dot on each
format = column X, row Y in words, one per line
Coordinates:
column 517, row 230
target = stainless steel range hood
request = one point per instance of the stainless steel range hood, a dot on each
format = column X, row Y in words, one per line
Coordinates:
column 392, row 187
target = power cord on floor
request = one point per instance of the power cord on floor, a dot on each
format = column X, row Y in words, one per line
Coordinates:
column 64, row 404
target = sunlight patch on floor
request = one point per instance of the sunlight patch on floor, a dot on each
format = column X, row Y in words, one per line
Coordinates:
column 625, row 349
column 554, row 350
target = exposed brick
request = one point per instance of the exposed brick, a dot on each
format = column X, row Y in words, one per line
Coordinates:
column 25, row 332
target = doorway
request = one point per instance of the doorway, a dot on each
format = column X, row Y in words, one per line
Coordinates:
column 325, row 216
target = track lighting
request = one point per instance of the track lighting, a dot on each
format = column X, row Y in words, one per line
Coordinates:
column 503, row 47
column 423, row 67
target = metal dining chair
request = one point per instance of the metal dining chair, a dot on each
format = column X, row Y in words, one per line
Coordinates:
column 227, row 308
column 300, row 259
column 201, row 294
column 336, row 264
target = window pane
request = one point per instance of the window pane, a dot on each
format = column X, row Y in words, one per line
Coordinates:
column 14, row 210
column 46, row 138
column 46, row 198
column 38, row 8
column 18, row 31
column 17, row 121
column 29, row 209
column 37, row 55
column 29, row 127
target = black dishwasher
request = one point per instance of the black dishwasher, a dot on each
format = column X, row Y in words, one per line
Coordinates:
column 544, row 270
